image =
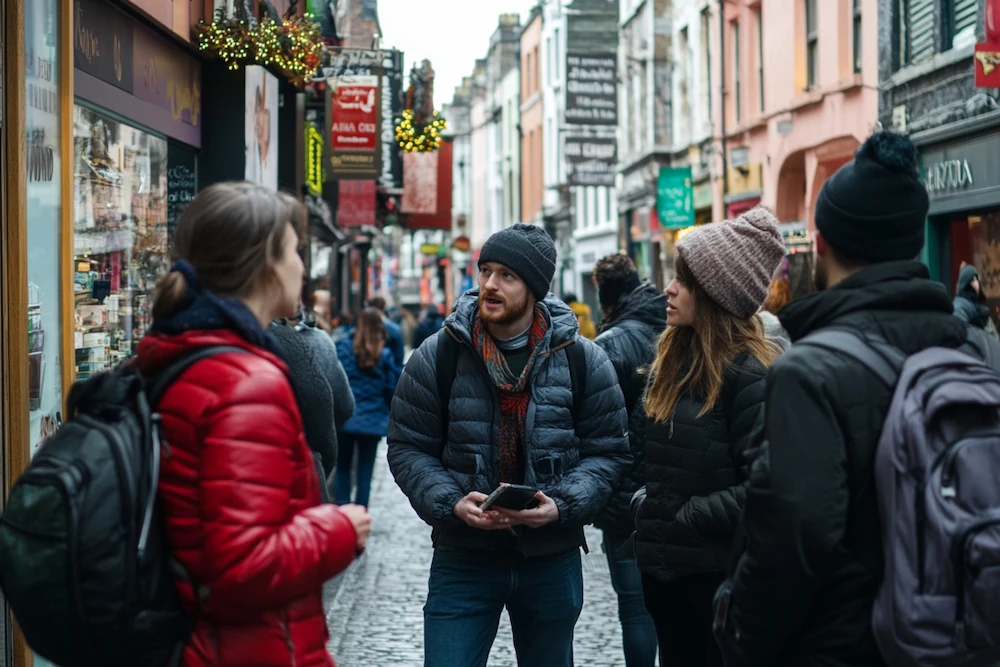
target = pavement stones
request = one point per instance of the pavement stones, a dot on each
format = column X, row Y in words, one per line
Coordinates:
column 375, row 609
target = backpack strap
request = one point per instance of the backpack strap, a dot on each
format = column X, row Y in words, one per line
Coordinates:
column 159, row 383
column 577, row 357
column 447, row 368
column 872, row 351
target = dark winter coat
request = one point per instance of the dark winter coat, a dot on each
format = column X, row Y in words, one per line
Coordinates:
column 320, row 385
column 576, row 464
column 629, row 339
column 969, row 306
column 373, row 389
column 695, row 478
column 395, row 342
column 804, row 588
column 428, row 326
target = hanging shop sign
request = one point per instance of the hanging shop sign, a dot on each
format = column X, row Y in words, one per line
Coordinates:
column 429, row 209
column 591, row 88
column 988, row 53
column 591, row 160
column 353, row 134
column 356, row 205
column 462, row 244
column 675, row 197
column 431, row 249
column 314, row 160
column 261, row 127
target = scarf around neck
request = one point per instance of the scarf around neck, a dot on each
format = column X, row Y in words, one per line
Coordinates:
column 514, row 397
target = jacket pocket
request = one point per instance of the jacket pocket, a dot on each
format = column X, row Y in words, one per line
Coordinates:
column 551, row 469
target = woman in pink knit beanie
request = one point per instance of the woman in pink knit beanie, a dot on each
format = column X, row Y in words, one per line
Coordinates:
column 705, row 394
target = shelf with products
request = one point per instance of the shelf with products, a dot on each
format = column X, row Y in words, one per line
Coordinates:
column 120, row 241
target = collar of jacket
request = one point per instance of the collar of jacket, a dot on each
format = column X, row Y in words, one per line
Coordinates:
column 890, row 286
column 645, row 304
column 563, row 325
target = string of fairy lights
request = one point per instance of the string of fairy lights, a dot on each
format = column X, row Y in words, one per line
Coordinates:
column 295, row 48
column 425, row 141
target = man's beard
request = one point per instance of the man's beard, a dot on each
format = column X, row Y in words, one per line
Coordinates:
column 820, row 277
column 508, row 315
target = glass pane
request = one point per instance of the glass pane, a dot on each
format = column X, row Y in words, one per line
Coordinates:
column 810, row 16
column 43, row 212
column 120, row 218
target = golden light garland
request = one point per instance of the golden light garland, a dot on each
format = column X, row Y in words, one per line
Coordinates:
column 427, row 140
column 293, row 46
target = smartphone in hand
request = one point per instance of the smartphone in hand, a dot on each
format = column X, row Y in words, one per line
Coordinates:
column 512, row 497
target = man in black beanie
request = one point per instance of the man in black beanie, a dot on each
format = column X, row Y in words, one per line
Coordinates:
column 804, row 589
column 507, row 392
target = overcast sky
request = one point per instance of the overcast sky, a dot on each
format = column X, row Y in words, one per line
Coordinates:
column 451, row 50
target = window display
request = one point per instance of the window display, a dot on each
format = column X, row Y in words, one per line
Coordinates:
column 984, row 230
column 120, row 251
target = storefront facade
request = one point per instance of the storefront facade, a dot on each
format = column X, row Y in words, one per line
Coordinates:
column 961, row 172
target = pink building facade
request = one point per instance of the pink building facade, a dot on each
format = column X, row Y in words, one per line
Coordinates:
column 801, row 95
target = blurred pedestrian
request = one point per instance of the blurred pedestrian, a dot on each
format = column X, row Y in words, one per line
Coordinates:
column 634, row 315
column 372, row 373
column 393, row 330
column 431, row 322
column 238, row 494
column 705, row 395
column 970, row 300
column 583, row 315
column 343, row 326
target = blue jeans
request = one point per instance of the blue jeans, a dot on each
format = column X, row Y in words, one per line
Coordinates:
column 366, row 445
column 638, row 629
column 468, row 591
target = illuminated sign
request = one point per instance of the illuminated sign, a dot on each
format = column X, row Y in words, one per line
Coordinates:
column 314, row 160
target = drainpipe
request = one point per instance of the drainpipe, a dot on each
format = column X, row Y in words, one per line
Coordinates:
column 722, row 100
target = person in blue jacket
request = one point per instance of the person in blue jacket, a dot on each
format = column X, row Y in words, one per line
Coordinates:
column 372, row 373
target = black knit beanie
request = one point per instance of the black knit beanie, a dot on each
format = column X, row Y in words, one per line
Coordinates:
column 874, row 208
column 528, row 251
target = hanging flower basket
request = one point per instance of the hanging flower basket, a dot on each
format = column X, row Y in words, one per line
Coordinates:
column 419, row 136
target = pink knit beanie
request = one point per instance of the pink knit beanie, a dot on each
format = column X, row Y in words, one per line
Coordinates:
column 734, row 260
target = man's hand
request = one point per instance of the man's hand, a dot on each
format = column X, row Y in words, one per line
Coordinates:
column 547, row 512
column 467, row 510
column 362, row 522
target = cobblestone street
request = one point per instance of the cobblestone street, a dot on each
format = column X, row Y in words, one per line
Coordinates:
column 375, row 609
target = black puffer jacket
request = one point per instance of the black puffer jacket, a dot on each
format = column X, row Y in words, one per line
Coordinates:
column 804, row 588
column 695, row 478
column 577, row 465
column 629, row 339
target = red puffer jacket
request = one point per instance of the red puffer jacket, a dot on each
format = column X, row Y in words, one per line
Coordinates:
column 241, row 501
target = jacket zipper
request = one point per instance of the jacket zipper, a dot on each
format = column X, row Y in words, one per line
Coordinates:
column 286, row 626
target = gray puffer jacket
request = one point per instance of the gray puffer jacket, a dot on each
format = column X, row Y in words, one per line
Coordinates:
column 577, row 467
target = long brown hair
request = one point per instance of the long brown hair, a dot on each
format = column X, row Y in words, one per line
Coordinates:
column 233, row 235
column 696, row 357
column 369, row 338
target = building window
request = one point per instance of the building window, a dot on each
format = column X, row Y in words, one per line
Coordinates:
column 684, row 84
column 812, row 44
column 737, row 79
column 760, row 59
column 548, row 65
column 527, row 73
column 958, row 16
column 555, row 53
column 857, row 36
column 914, row 32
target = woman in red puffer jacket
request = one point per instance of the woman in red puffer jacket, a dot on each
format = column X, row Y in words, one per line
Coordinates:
column 238, row 489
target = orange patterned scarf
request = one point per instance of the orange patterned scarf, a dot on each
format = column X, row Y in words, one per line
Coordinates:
column 514, row 395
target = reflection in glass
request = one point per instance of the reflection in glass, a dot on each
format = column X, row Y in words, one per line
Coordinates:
column 120, row 251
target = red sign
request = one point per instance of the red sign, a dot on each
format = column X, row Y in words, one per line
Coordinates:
column 988, row 55
column 441, row 217
column 356, row 206
column 353, row 130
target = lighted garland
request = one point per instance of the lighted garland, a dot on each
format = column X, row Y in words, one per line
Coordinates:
column 425, row 141
column 293, row 46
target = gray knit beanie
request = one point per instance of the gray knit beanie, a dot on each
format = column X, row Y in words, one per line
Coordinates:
column 528, row 251
column 734, row 260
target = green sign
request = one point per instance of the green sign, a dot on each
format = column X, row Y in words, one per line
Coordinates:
column 675, row 198
column 314, row 160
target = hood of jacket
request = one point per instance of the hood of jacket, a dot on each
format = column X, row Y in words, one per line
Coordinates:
column 899, row 291
column 644, row 304
column 965, row 277
column 563, row 324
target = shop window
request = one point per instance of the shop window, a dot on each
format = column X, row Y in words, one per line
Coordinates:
column 120, row 222
column 984, row 242
column 812, row 44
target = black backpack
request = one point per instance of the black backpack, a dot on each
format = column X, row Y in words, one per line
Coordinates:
column 448, row 350
column 83, row 562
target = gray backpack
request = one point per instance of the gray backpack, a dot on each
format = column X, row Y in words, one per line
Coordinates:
column 937, row 471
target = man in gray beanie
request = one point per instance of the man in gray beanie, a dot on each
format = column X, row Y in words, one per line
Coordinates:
column 507, row 392
column 804, row 589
